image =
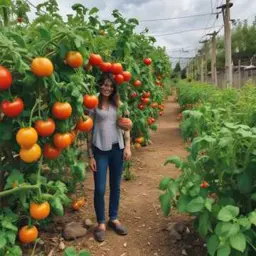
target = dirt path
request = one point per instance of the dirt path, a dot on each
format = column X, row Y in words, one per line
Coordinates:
column 139, row 207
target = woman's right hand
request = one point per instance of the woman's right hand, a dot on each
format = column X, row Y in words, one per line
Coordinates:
column 92, row 163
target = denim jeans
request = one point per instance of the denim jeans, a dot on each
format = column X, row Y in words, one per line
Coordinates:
column 114, row 160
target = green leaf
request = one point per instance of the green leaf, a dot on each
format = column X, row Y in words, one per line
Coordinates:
column 84, row 253
column 228, row 213
column 14, row 251
column 224, row 251
column 8, row 225
column 45, row 34
column 19, row 39
column 57, row 206
column 244, row 182
column 174, row 160
column 164, row 183
column 227, row 229
column 11, row 236
column 196, row 205
column 165, row 201
column 183, row 202
column 238, row 242
column 213, row 244
column 70, row 251
column 93, row 10
column 3, row 240
column 245, row 223
column 15, row 176
column 208, row 204
column 5, row 131
column 252, row 218
column 204, row 223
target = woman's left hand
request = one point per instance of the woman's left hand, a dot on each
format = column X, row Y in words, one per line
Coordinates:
column 127, row 153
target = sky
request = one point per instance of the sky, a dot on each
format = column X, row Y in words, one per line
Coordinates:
column 178, row 45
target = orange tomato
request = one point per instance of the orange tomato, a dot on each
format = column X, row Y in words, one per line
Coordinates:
column 39, row 211
column 74, row 59
column 28, row 234
column 137, row 83
column 127, row 76
column 90, row 101
column 30, row 155
column 137, row 145
column 45, row 128
column 26, row 137
column 61, row 110
column 51, row 152
column 95, row 59
column 204, row 184
column 77, row 204
column 139, row 140
column 62, row 140
column 85, row 125
column 72, row 136
column 42, row 67
column 117, row 68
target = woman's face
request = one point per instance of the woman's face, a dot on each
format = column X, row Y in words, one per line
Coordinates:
column 107, row 88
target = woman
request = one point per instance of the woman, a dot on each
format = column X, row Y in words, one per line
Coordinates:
column 107, row 147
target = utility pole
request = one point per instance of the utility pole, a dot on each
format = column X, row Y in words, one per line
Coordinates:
column 213, row 61
column 228, row 52
column 205, row 59
column 201, row 65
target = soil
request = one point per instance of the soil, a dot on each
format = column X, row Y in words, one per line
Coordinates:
column 139, row 207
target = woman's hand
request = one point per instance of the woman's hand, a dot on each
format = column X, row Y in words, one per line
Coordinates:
column 127, row 153
column 92, row 164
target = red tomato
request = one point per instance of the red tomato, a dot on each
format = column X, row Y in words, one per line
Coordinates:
column 146, row 94
column 105, row 67
column 127, row 76
column 147, row 61
column 45, row 128
column 85, row 125
column 62, row 140
column 12, row 109
column 119, row 78
column 5, row 78
column 133, row 95
column 95, row 59
column 141, row 106
column 91, row 101
column 117, row 68
column 137, row 83
column 51, row 152
column 61, row 110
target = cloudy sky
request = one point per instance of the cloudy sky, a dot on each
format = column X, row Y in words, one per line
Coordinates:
column 164, row 9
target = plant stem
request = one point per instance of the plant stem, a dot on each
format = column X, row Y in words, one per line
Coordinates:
column 38, row 177
column 17, row 189
column 32, row 112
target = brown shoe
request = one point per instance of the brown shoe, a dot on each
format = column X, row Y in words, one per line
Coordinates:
column 119, row 229
column 99, row 234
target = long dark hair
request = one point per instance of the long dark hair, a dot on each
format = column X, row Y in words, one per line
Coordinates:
column 114, row 97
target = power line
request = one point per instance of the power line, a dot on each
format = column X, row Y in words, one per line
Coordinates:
column 180, row 17
column 34, row 6
column 182, row 31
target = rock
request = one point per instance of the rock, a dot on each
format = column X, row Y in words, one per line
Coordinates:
column 88, row 223
column 184, row 252
column 188, row 230
column 156, row 254
column 180, row 227
column 125, row 244
column 73, row 230
column 41, row 242
column 124, row 254
column 62, row 246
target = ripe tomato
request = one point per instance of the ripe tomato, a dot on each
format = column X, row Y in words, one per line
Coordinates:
column 117, row 68
column 61, row 110
column 45, row 128
column 30, row 155
column 62, row 140
column 137, row 145
column 125, row 123
column 5, row 78
column 74, row 59
column 147, row 61
column 119, row 78
column 42, row 67
column 127, row 76
column 28, row 234
column 105, row 67
column 154, row 105
column 91, row 101
column 145, row 100
column 141, row 106
column 137, row 83
column 146, row 94
column 139, row 140
column 204, row 184
column 39, row 211
column 95, row 59
column 51, row 152
column 26, row 137
column 85, row 125
column 133, row 95
column 77, row 204
column 12, row 109
column 161, row 113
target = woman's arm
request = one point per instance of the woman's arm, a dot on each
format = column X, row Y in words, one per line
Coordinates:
column 127, row 149
column 89, row 145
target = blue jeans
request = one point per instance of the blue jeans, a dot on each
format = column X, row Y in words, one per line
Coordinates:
column 114, row 160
